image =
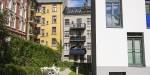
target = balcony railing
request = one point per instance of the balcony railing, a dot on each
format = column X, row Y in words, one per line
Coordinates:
column 77, row 51
column 32, row 21
column 77, row 38
column 78, row 26
column 148, row 20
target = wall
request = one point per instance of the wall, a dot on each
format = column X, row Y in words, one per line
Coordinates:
column 112, row 42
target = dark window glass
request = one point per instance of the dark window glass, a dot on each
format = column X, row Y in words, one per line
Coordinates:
column 54, row 42
column 43, row 9
column 113, row 14
column 148, row 13
column 54, row 8
column 66, row 34
column 53, row 30
column 117, row 73
column 54, row 19
column 67, row 21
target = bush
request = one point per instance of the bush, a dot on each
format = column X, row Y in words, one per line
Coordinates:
column 65, row 64
column 11, row 70
column 26, row 53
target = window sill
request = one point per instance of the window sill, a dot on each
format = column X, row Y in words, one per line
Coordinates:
column 115, row 27
column 140, row 66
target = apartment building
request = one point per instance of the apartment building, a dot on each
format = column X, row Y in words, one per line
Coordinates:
column 77, row 34
column 49, row 22
column 31, row 24
column 17, row 15
column 122, row 37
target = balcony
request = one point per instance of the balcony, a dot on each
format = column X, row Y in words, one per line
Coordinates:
column 77, row 38
column 148, row 20
column 78, row 26
column 32, row 21
column 77, row 51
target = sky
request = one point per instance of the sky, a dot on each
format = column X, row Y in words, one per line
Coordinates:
column 76, row 3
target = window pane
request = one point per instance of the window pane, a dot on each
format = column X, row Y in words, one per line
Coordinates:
column 148, row 13
column 137, row 45
column 113, row 13
column 130, row 58
column 67, row 21
column 109, row 14
column 116, row 14
column 130, row 45
column 138, row 58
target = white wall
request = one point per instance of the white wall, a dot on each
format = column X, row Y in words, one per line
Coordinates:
column 112, row 42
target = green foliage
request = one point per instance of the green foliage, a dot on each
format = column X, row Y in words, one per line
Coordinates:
column 3, row 22
column 4, row 49
column 26, row 53
column 11, row 69
column 28, row 57
column 65, row 64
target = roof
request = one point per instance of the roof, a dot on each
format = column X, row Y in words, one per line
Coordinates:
column 77, row 10
column 49, row 1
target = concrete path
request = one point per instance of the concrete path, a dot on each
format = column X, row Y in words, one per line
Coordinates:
column 65, row 72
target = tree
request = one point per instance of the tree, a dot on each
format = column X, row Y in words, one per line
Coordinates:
column 4, row 56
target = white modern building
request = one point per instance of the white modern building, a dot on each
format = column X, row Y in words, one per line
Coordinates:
column 122, row 37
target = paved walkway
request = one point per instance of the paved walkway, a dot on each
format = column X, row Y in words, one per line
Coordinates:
column 65, row 72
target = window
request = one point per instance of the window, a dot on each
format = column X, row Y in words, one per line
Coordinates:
column 38, row 19
column 79, row 21
column 88, row 33
column 42, row 41
column 43, row 20
column 89, row 58
column 53, row 30
column 113, row 14
column 147, row 7
column 117, row 73
column 88, row 21
column 66, row 46
column 47, row 11
column 38, row 30
column 148, row 13
column 47, row 22
column 42, row 32
column 88, row 46
column 46, row 34
column 67, row 22
column 135, row 49
column 66, row 33
column 54, row 8
column 12, row 24
column 43, row 9
column 54, row 19
column 54, row 42
column 38, row 9
column 0, row 5
column 46, row 42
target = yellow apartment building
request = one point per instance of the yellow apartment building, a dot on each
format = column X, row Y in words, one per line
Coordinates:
column 49, row 22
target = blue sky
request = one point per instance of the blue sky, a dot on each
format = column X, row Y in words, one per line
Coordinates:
column 76, row 3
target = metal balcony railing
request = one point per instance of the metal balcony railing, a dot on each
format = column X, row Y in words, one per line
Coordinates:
column 77, row 38
column 32, row 20
column 77, row 51
column 78, row 26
